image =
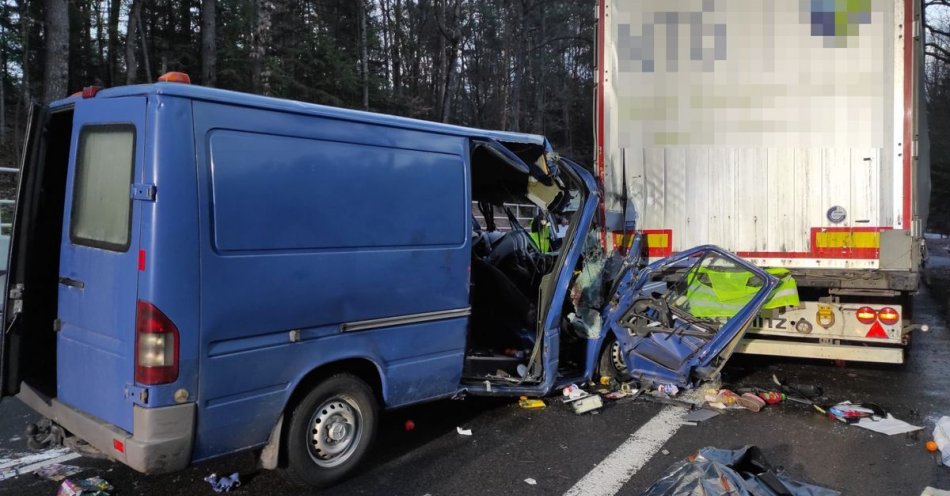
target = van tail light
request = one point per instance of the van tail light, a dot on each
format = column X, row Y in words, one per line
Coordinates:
column 888, row 316
column 156, row 346
column 866, row 315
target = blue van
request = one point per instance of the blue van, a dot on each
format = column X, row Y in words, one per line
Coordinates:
column 196, row 272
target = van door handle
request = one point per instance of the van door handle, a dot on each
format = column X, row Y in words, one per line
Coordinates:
column 76, row 283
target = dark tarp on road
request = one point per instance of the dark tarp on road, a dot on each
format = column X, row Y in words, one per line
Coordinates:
column 719, row 472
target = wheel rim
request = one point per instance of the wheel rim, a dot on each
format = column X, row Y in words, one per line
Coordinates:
column 616, row 357
column 336, row 428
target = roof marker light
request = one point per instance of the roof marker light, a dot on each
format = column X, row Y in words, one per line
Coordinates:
column 175, row 77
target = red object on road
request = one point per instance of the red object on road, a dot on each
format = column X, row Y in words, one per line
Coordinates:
column 772, row 397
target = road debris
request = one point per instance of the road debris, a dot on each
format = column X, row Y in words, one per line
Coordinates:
column 887, row 425
column 531, row 482
column 57, row 471
column 668, row 389
column 587, row 403
column 752, row 402
column 942, row 438
column 530, row 404
column 701, row 415
column 26, row 463
column 464, row 432
column 744, row 471
column 93, row 486
column 573, row 392
column 223, row 484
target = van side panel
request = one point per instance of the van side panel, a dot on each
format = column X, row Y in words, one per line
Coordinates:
column 312, row 224
column 169, row 242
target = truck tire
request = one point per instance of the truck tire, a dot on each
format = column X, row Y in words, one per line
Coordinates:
column 331, row 430
column 611, row 363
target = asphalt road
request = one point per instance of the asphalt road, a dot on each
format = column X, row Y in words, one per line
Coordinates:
column 558, row 449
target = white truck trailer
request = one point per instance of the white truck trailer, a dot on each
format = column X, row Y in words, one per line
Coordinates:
column 793, row 132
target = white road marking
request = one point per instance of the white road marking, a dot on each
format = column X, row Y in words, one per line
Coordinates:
column 12, row 467
column 614, row 471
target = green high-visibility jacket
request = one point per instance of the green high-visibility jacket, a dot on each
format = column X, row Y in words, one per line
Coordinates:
column 716, row 293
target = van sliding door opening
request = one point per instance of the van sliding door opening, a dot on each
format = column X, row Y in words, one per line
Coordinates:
column 29, row 348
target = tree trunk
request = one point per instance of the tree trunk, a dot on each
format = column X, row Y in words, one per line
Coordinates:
column 132, row 34
column 387, row 36
column 396, row 47
column 56, row 70
column 144, row 37
column 540, row 61
column 364, row 54
column 521, row 57
column 208, row 48
column 3, row 82
column 114, row 7
column 260, row 75
column 102, row 74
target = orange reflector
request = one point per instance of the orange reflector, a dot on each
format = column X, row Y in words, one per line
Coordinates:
column 866, row 315
column 118, row 445
column 876, row 331
column 888, row 316
column 175, row 77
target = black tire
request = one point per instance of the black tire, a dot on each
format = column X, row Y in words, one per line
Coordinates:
column 611, row 364
column 348, row 406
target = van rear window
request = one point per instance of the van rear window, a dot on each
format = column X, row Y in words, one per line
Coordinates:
column 101, row 201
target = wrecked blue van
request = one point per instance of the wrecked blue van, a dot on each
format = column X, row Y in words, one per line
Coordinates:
column 196, row 272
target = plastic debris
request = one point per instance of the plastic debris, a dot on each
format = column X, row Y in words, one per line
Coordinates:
column 530, row 404
column 624, row 391
column 573, row 392
column 464, row 432
column 93, row 486
column 57, row 472
column 718, row 472
column 668, row 389
column 942, row 438
column 751, row 402
column 531, row 482
column 886, row 425
column 223, row 484
column 701, row 415
column 850, row 413
column 588, row 403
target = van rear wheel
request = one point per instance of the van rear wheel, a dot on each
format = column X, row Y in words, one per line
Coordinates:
column 331, row 430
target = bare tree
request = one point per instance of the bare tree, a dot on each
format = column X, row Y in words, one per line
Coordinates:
column 56, row 70
column 364, row 54
column 260, row 39
column 132, row 34
column 450, row 27
column 208, row 48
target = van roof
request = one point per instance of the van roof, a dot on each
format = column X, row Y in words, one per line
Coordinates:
column 218, row 95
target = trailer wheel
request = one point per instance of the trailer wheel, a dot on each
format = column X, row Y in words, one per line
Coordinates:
column 331, row 430
column 611, row 363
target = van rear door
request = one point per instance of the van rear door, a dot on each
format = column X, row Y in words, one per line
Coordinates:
column 10, row 345
column 99, row 259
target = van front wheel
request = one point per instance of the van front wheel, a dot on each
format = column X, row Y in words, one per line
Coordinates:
column 331, row 430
